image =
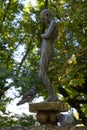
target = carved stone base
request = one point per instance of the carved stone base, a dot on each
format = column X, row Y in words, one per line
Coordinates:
column 47, row 117
column 47, row 112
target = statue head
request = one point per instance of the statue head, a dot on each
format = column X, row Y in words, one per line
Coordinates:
column 46, row 15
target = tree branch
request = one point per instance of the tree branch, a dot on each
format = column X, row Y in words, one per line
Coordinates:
column 24, row 57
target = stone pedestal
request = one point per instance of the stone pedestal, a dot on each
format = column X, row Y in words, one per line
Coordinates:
column 47, row 112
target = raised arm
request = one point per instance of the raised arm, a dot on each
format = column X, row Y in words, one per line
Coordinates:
column 49, row 31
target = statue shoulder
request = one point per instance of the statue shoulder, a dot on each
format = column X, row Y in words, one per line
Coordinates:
column 53, row 23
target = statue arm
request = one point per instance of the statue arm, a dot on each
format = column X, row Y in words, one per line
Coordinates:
column 49, row 31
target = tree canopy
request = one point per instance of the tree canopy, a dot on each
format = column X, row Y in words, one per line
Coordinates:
column 20, row 26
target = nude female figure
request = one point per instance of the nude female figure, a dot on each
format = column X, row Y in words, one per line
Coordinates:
column 47, row 51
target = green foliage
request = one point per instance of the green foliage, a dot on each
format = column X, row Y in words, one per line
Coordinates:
column 20, row 26
column 8, row 121
column 26, row 121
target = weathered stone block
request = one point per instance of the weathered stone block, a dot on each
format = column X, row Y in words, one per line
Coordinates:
column 55, row 106
column 47, row 111
column 44, row 128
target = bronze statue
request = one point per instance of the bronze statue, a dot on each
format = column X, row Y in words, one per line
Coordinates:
column 47, row 51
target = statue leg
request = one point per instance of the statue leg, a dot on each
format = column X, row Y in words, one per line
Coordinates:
column 46, row 81
column 46, row 56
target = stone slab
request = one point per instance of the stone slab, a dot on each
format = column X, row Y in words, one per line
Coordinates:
column 48, row 106
column 43, row 128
